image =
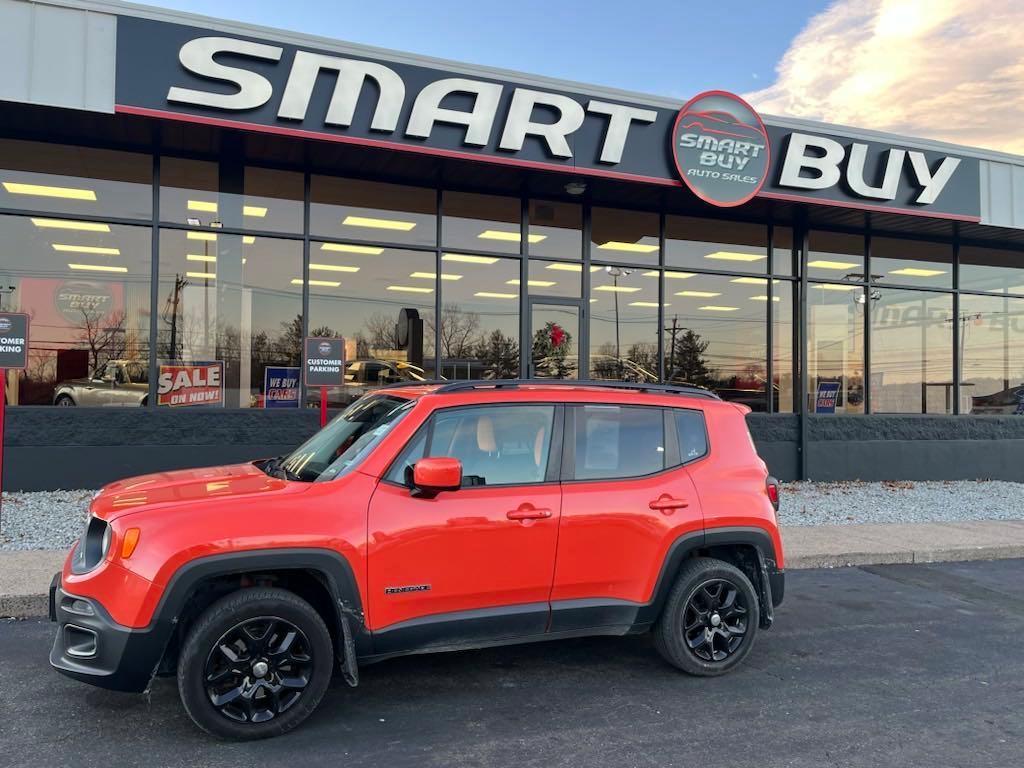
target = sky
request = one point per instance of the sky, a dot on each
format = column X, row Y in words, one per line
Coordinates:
column 951, row 70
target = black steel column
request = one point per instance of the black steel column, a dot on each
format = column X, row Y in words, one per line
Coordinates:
column 957, row 330
column 583, row 370
column 769, row 368
column 867, row 293
column 306, row 204
column 154, row 282
column 804, row 381
column 525, row 342
column 438, row 282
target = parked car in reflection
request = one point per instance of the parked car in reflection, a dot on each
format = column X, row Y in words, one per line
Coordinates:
column 362, row 376
column 1008, row 401
column 120, row 383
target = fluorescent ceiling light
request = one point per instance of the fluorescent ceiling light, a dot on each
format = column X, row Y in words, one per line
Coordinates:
column 698, row 294
column 570, row 267
column 81, row 226
column 257, row 211
column 533, row 283
column 433, row 276
column 248, row 239
column 617, row 288
column 752, row 280
column 202, row 205
column 410, row 289
column 830, row 287
column 201, row 236
column 86, row 249
column 97, row 267
column 500, row 234
column 333, row 268
column 493, row 295
column 320, row 283
column 670, row 275
column 646, row 304
column 733, row 256
column 615, row 245
column 372, row 223
column 915, row 272
column 202, row 275
column 366, row 250
column 466, row 258
column 764, row 298
column 199, row 257
column 41, row 190
column 713, row 308
column 826, row 264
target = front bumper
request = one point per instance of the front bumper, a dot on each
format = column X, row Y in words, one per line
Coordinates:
column 90, row 646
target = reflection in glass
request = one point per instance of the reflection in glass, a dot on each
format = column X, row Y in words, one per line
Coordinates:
column 555, row 229
column 782, row 251
column 359, row 295
column 712, row 244
column 911, row 352
column 835, row 256
column 629, row 237
column 479, row 318
column 912, row 262
column 835, row 348
column 783, row 371
column 992, row 360
column 624, row 324
column 991, row 270
column 350, row 209
column 716, row 336
column 552, row 278
column 484, row 223
column 235, row 299
column 555, row 333
column 86, row 290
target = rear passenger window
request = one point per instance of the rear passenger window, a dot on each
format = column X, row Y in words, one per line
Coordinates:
column 693, row 435
column 618, row 441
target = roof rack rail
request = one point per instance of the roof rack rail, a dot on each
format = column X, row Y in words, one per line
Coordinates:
column 669, row 389
column 403, row 384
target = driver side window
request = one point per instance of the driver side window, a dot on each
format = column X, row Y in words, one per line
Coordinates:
column 497, row 445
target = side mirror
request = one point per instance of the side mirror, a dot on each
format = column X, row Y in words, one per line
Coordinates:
column 433, row 475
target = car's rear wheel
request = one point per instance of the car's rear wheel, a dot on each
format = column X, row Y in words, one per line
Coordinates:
column 255, row 664
column 710, row 619
column 64, row 401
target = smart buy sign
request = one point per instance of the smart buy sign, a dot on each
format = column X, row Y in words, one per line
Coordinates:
column 190, row 384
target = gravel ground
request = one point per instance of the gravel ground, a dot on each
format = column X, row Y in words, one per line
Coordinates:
column 53, row 519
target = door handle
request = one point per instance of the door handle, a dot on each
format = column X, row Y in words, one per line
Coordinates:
column 528, row 512
column 667, row 504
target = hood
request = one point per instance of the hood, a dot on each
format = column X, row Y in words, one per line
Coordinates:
column 185, row 485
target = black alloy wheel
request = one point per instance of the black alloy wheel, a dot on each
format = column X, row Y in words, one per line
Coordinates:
column 710, row 619
column 715, row 621
column 258, row 669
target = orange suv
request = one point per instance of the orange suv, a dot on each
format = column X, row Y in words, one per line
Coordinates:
column 429, row 517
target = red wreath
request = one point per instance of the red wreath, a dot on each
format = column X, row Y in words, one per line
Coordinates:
column 557, row 336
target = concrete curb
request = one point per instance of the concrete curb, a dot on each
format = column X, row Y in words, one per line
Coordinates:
column 25, row 575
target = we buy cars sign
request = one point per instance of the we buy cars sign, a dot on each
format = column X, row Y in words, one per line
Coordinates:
column 190, row 384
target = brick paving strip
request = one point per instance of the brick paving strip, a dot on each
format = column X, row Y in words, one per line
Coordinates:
column 25, row 575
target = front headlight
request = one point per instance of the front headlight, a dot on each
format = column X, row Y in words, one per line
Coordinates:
column 92, row 547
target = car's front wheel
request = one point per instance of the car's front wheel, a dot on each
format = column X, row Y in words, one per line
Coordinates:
column 255, row 664
column 710, row 619
column 64, row 401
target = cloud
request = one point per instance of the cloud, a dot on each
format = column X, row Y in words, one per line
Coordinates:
column 951, row 70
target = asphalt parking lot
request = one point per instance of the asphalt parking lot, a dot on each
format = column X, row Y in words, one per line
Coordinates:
column 910, row 665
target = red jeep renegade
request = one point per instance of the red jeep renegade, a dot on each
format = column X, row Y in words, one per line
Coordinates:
column 424, row 518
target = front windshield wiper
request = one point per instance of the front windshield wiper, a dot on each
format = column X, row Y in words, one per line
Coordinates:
column 274, row 468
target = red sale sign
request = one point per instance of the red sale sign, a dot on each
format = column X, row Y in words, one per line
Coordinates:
column 190, row 384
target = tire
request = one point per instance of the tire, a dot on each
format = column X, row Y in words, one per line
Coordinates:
column 690, row 637
column 64, row 401
column 295, row 671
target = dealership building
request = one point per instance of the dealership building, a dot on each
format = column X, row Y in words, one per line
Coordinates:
column 183, row 200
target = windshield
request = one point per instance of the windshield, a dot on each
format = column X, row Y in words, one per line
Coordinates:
column 345, row 440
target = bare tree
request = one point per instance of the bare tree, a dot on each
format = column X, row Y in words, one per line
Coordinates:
column 104, row 336
column 382, row 331
column 459, row 331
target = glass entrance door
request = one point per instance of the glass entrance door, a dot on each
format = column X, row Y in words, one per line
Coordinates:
column 555, row 338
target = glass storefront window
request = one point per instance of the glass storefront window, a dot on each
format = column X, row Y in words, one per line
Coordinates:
column 783, row 371
column 992, row 359
column 235, row 299
column 86, row 291
column 189, row 192
column 554, row 278
column 483, row 223
column 782, row 250
column 479, row 317
column 629, row 237
column 555, row 230
column 912, row 262
column 991, row 270
column 835, row 348
column 359, row 296
column 716, row 336
column 911, row 351
column 624, row 324
column 272, row 201
column 712, row 244
column 77, row 181
column 835, row 256
column 370, row 211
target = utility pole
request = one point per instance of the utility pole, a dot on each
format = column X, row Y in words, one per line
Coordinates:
column 673, row 331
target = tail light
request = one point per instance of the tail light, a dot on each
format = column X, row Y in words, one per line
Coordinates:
column 772, row 486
